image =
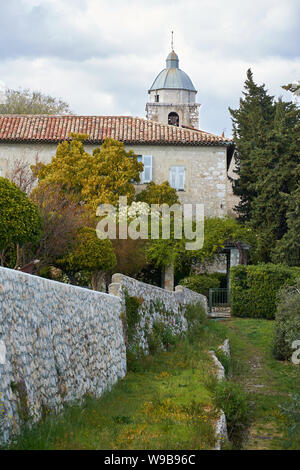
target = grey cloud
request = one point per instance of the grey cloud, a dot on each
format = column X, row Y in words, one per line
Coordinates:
column 249, row 28
column 40, row 32
column 92, row 50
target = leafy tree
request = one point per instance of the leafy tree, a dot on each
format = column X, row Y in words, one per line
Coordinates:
column 62, row 218
column 89, row 254
column 92, row 179
column 32, row 102
column 158, row 194
column 20, row 221
column 130, row 255
column 293, row 87
column 217, row 231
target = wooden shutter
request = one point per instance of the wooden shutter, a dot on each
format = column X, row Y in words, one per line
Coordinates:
column 147, row 173
column 177, row 177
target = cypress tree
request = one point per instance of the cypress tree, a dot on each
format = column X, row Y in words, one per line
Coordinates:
column 276, row 180
column 287, row 249
column 251, row 124
column 266, row 134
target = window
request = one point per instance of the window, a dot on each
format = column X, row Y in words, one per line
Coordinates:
column 146, row 175
column 173, row 119
column 177, row 177
column 156, row 98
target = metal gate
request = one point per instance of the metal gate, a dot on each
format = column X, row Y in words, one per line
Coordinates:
column 219, row 300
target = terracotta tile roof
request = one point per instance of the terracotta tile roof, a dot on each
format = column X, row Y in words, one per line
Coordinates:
column 131, row 130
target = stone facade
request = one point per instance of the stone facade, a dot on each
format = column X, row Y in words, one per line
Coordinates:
column 61, row 342
column 206, row 178
column 156, row 304
column 231, row 199
column 188, row 113
column 181, row 102
column 205, row 174
column 173, row 92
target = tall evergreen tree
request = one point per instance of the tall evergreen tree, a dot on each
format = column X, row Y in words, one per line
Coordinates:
column 251, row 123
column 266, row 133
column 287, row 249
column 276, row 179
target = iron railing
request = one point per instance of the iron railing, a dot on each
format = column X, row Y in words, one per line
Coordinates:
column 219, row 299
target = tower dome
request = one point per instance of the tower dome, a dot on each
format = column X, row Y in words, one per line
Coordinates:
column 173, row 96
column 172, row 77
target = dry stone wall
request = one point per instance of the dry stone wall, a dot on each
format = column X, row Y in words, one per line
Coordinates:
column 156, row 305
column 58, row 343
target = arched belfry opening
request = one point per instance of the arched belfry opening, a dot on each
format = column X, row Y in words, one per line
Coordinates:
column 173, row 90
column 173, row 119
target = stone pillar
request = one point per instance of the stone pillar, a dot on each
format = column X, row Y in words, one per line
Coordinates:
column 169, row 277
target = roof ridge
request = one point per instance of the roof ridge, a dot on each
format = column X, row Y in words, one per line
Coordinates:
column 47, row 127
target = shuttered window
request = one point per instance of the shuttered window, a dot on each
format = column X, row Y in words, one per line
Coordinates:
column 146, row 175
column 177, row 177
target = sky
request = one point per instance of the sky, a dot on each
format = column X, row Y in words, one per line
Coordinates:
column 101, row 56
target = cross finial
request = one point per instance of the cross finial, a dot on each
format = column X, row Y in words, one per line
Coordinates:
column 172, row 41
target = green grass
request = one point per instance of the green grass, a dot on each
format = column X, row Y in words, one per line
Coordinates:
column 268, row 382
column 166, row 406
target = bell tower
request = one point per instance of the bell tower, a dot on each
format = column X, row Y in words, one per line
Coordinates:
column 172, row 96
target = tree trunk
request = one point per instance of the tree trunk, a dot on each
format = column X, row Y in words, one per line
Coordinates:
column 98, row 281
column 18, row 256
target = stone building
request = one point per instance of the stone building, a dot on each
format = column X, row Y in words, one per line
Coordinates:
column 170, row 145
column 173, row 97
column 194, row 162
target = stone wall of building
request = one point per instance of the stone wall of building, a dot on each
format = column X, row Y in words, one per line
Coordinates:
column 231, row 200
column 58, row 343
column 155, row 305
column 206, row 180
column 205, row 173
column 188, row 113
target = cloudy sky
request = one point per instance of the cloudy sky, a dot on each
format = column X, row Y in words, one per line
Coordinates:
column 101, row 56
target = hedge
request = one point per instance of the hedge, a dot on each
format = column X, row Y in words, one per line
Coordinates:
column 201, row 283
column 287, row 322
column 254, row 288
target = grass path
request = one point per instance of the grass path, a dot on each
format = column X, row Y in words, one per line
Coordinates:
column 166, row 403
column 269, row 383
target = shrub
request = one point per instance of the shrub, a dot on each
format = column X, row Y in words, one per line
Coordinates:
column 154, row 342
column 195, row 313
column 225, row 360
column 201, row 283
column 287, row 325
column 132, row 316
column 231, row 398
column 160, row 337
column 222, row 278
column 196, row 317
column 134, row 357
column 254, row 289
column 291, row 412
column 20, row 220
